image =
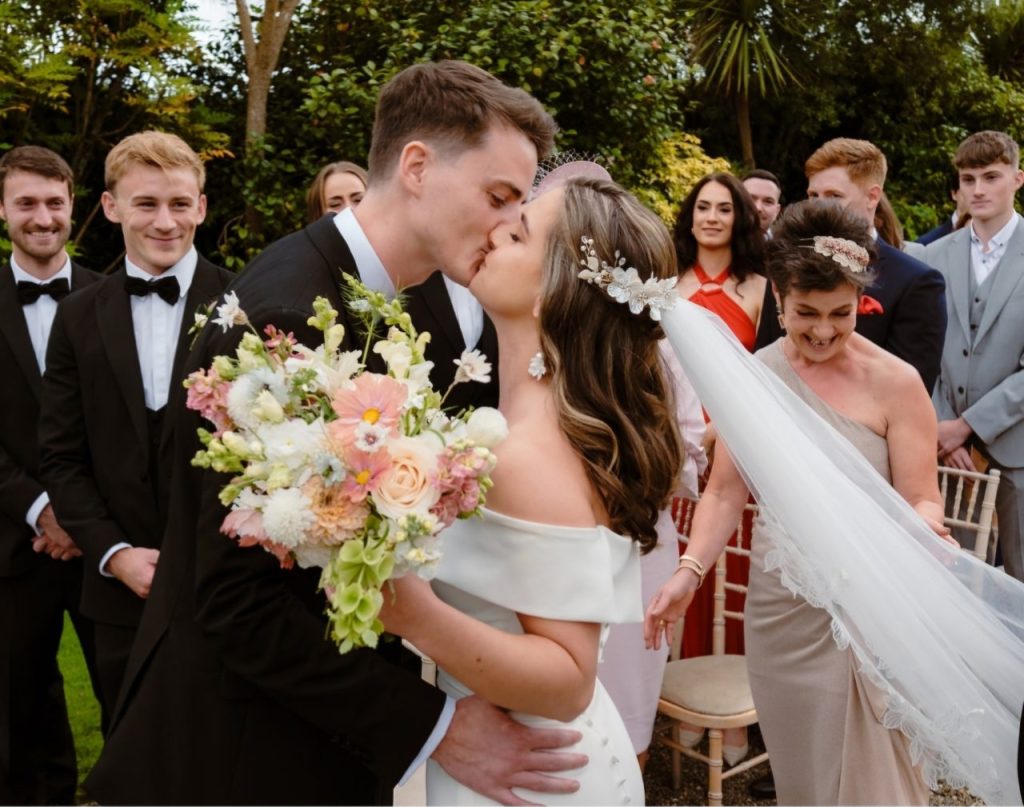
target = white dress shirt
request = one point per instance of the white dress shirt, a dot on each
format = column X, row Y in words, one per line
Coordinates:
column 983, row 263
column 157, row 326
column 468, row 312
column 376, row 278
column 39, row 320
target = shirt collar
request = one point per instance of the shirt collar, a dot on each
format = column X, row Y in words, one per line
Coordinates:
column 184, row 270
column 1000, row 239
column 21, row 275
column 369, row 265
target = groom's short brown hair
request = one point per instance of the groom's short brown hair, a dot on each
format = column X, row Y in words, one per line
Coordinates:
column 453, row 105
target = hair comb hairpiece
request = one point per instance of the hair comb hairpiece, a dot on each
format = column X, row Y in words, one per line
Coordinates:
column 623, row 284
column 843, row 251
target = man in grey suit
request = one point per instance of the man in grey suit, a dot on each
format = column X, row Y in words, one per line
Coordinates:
column 980, row 394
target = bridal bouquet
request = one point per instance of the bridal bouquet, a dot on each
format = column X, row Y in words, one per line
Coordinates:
column 333, row 466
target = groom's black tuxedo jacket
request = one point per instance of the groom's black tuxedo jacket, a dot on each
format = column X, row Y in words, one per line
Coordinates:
column 96, row 453
column 21, row 482
column 912, row 324
column 233, row 694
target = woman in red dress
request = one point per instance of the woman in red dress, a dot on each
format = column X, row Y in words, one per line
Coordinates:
column 720, row 247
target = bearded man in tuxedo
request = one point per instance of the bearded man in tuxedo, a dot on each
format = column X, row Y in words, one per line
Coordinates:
column 40, row 563
column 233, row 693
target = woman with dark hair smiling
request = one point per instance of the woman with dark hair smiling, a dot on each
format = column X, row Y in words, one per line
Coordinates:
column 719, row 246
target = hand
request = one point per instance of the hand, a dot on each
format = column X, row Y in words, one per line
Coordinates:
column 491, row 753
column 134, row 566
column 959, row 458
column 53, row 540
column 406, row 600
column 668, row 606
column 953, row 434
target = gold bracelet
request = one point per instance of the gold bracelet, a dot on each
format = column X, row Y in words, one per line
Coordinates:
column 694, row 565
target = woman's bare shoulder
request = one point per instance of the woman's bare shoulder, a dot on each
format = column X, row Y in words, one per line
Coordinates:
column 539, row 477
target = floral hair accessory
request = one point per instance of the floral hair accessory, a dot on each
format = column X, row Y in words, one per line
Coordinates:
column 623, row 283
column 843, row 251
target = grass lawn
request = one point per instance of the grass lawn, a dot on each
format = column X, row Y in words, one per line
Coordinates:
column 83, row 709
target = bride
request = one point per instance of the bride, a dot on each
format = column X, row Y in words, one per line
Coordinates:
column 517, row 611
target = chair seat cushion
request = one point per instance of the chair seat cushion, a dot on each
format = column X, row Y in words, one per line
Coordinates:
column 713, row 685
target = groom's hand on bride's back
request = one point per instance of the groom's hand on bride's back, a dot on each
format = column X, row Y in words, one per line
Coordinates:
column 491, row 753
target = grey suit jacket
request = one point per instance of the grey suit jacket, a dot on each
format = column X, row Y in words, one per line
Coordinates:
column 984, row 382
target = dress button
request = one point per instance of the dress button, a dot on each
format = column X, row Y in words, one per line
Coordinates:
column 960, row 390
column 966, row 352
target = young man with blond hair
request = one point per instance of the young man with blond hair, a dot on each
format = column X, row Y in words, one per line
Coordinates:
column 981, row 384
column 114, row 365
column 904, row 308
column 40, row 563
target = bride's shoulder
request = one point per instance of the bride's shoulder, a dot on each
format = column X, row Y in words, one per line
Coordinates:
column 538, row 477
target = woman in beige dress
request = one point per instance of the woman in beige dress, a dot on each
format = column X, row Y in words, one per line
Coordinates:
column 820, row 717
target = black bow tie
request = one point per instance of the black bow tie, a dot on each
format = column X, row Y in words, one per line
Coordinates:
column 29, row 292
column 166, row 287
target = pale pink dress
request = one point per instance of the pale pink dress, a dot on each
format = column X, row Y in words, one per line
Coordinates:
column 630, row 673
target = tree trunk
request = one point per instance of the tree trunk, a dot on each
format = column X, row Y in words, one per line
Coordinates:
column 743, row 122
column 261, row 57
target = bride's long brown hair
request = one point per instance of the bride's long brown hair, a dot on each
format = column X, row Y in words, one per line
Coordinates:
column 614, row 403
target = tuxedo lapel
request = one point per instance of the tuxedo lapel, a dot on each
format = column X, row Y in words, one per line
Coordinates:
column 15, row 330
column 431, row 309
column 1008, row 276
column 329, row 243
column 206, row 288
column 114, row 318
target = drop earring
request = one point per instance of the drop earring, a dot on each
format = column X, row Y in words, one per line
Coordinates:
column 537, row 368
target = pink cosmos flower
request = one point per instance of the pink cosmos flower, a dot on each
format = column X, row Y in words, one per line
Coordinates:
column 208, row 395
column 372, row 399
column 365, row 471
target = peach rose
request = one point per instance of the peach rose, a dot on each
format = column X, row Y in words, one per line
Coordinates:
column 409, row 485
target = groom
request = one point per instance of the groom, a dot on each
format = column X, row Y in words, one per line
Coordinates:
column 233, row 694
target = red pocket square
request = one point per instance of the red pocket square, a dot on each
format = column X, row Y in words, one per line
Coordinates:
column 869, row 305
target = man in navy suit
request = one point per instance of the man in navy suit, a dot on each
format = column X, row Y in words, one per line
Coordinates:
column 40, row 562
column 904, row 309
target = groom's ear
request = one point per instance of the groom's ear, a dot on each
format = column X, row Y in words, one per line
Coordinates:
column 412, row 164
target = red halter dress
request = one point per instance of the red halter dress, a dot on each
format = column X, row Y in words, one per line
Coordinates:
column 697, row 629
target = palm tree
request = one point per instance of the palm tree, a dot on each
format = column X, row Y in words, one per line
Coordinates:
column 732, row 42
column 999, row 32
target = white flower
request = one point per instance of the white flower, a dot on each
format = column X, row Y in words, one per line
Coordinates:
column 370, row 437
column 266, row 408
column 397, row 356
column 294, row 443
column 200, row 321
column 230, row 313
column 310, row 555
column 245, row 390
column 486, row 427
column 473, row 366
column 288, row 516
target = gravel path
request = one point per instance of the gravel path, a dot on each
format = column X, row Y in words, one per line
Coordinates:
column 658, row 782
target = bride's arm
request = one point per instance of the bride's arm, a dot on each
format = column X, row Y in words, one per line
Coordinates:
column 549, row 670
column 714, row 521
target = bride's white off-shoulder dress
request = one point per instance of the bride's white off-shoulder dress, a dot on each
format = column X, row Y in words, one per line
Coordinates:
column 497, row 566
